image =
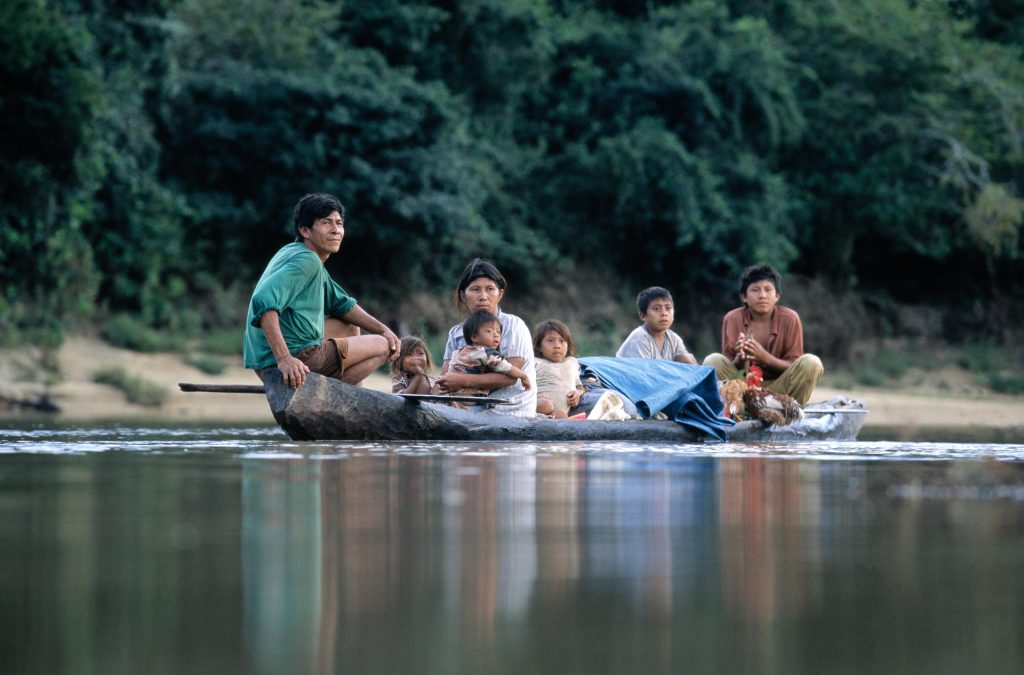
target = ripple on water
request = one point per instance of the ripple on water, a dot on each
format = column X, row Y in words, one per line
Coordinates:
column 270, row 443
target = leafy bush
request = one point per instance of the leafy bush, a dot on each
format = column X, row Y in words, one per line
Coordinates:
column 136, row 389
column 223, row 342
column 870, row 375
column 981, row 357
column 129, row 332
column 988, row 362
column 1005, row 383
column 892, row 363
column 210, row 365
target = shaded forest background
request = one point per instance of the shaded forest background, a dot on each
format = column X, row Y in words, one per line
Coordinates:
column 873, row 151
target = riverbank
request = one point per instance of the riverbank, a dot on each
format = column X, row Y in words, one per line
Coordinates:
column 924, row 412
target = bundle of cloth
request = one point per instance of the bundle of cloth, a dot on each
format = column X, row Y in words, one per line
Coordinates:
column 686, row 394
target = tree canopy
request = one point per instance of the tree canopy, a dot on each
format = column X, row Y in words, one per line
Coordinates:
column 153, row 149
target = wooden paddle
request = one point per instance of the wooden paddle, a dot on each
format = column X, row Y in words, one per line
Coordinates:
column 223, row 388
column 260, row 389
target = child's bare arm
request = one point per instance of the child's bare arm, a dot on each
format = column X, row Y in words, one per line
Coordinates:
column 520, row 374
column 418, row 384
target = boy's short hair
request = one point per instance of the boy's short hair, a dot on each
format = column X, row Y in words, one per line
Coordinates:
column 759, row 272
column 475, row 322
column 312, row 208
column 648, row 295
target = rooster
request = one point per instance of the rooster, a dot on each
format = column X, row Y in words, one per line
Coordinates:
column 771, row 407
column 732, row 396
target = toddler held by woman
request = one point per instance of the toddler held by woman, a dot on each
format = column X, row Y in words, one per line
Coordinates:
column 482, row 331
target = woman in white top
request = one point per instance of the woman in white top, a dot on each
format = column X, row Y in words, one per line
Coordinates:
column 482, row 286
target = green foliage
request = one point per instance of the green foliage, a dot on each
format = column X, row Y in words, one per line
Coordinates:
column 982, row 357
column 153, row 150
column 210, row 365
column 1006, row 383
column 224, row 342
column 136, row 389
column 994, row 220
column 993, row 366
column 129, row 332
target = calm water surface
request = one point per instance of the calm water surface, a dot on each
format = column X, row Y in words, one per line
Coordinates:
column 236, row 550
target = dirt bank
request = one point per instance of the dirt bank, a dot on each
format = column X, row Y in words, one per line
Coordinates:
column 895, row 414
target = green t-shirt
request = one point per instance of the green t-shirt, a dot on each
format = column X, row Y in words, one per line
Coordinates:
column 297, row 285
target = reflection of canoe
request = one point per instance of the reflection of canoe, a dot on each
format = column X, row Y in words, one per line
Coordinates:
column 327, row 409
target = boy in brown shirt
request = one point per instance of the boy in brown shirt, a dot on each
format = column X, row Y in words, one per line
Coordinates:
column 768, row 334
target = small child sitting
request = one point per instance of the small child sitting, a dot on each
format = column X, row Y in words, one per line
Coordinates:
column 482, row 331
column 654, row 339
column 558, row 372
column 409, row 370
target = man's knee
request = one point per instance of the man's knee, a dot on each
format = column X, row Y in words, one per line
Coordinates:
column 721, row 364
column 358, row 349
column 336, row 328
column 810, row 366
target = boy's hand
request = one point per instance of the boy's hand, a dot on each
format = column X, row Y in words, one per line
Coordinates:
column 753, row 350
column 740, row 346
column 525, row 379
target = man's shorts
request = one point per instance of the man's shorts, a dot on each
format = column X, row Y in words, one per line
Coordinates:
column 326, row 358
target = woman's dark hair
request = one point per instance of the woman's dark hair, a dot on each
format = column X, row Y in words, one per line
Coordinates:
column 474, row 270
column 760, row 272
column 648, row 295
column 312, row 208
column 409, row 343
column 542, row 328
column 475, row 322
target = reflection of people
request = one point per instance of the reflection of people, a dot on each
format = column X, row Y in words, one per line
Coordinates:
column 558, row 372
column 410, row 371
column 285, row 326
column 768, row 334
column 655, row 339
column 482, row 331
column 482, row 287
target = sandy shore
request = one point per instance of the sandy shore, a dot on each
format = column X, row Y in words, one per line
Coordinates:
column 901, row 414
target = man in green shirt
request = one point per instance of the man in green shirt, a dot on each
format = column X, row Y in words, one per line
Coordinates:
column 300, row 320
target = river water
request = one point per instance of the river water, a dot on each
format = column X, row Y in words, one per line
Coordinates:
column 223, row 550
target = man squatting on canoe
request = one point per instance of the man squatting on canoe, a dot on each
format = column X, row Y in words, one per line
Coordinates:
column 300, row 320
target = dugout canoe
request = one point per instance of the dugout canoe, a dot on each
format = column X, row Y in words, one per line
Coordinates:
column 323, row 409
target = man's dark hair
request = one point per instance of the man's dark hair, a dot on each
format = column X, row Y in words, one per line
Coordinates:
column 759, row 272
column 312, row 208
column 475, row 322
column 474, row 270
column 648, row 295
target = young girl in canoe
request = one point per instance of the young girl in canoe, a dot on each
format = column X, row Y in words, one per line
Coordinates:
column 558, row 372
column 409, row 370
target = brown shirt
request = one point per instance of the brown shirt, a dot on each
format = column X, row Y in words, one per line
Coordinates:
column 786, row 339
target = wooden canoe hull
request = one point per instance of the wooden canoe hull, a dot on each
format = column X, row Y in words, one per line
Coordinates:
column 327, row 409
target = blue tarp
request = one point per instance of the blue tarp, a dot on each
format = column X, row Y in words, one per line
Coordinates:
column 687, row 394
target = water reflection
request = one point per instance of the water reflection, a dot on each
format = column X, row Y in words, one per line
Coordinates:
column 591, row 562
column 254, row 554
